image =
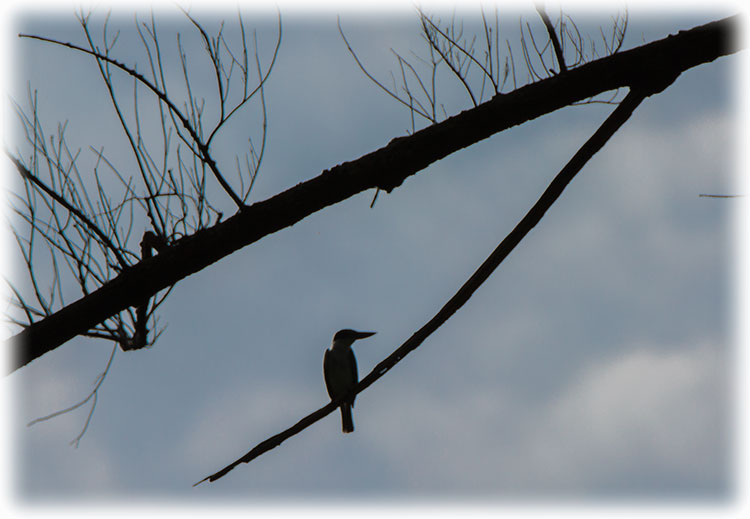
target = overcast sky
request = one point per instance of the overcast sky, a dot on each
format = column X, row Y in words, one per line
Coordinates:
column 596, row 363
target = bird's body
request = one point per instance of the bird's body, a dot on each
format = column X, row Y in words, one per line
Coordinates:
column 340, row 372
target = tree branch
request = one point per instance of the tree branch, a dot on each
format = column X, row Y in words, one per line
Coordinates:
column 653, row 66
column 535, row 214
column 552, row 36
column 26, row 174
column 202, row 147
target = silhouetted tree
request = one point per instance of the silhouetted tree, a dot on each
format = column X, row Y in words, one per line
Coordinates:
column 125, row 244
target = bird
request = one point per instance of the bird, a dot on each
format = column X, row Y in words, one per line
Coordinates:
column 340, row 372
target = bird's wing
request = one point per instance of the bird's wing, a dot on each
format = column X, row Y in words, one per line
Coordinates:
column 353, row 372
column 327, row 360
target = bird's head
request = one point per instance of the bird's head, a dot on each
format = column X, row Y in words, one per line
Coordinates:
column 347, row 336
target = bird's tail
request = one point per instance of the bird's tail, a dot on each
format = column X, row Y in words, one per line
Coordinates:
column 347, row 423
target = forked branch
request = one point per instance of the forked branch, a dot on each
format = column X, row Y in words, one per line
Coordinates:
column 184, row 121
column 385, row 168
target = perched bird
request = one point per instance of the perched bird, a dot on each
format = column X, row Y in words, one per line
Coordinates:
column 340, row 372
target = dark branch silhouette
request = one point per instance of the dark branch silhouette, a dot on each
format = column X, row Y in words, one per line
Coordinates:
column 75, row 226
column 385, row 168
column 529, row 221
column 553, row 37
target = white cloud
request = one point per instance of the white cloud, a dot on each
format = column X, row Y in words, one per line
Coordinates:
column 645, row 422
column 647, row 411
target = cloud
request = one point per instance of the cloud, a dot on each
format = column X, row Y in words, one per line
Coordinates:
column 555, row 392
column 651, row 421
column 646, row 414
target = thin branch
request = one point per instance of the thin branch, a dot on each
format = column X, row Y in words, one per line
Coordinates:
column 262, row 77
column 93, row 394
column 154, row 215
column 385, row 168
column 213, row 53
column 205, row 155
column 552, row 36
column 469, row 53
column 446, row 55
column 26, row 174
column 618, row 117
column 372, row 78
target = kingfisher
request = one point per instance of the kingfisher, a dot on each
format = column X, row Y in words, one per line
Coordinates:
column 340, row 372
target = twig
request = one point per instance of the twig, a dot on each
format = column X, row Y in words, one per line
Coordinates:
column 99, row 379
column 552, row 36
column 26, row 174
column 202, row 147
column 372, row 78
column 386, row 168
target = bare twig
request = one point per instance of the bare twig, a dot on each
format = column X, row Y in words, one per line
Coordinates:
column 552, row 36
column 385, row 168
column 202, row 147
column 26, row 174
column 374, row 80
column 78, row 217
column 93, row 394
column 430, row 30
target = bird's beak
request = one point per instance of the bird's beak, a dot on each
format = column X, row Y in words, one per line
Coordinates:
column 362, row 335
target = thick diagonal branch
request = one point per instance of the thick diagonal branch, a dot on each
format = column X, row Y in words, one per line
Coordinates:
column 385, row 168
column 535, row 214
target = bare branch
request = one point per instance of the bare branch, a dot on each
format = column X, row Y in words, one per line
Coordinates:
column 93, row 394
column 621, row 114
column 26, row 174
column 429, row 30
column 653, row 66
column 372, row 78
column 262, row 77
column 552, row 36
column 202, row 147
column 90, row 230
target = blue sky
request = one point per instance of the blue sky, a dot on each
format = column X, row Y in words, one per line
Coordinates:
column 596, row 362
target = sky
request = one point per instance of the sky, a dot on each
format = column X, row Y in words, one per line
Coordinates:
column 596, row 365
